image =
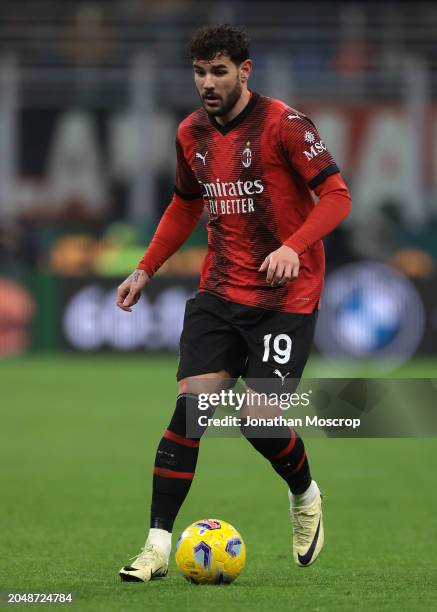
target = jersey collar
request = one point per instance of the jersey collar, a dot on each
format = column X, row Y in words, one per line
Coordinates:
column 236, row 121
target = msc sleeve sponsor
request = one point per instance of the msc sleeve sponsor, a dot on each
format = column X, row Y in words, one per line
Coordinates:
column 304, row 149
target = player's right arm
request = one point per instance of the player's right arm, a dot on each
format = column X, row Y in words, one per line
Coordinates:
column 176, row 225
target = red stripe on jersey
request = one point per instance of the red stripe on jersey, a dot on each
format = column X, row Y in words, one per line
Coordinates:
column 287, row 449
column 170, row 435
column 300, row 464
column 171, row 474
column 201, row 135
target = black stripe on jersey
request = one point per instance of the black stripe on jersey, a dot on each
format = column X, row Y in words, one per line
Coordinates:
column 317, row 180
column 187, row 196
column 224, row 129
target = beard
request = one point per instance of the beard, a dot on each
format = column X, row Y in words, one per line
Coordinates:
column 225, row 105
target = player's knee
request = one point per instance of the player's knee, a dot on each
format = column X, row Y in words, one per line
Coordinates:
column 183, row 386
column 186, row 422
column 212, row 382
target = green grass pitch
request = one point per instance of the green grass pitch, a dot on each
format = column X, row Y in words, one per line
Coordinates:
column 77, row 442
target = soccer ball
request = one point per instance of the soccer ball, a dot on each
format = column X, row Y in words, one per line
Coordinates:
column 210, row 551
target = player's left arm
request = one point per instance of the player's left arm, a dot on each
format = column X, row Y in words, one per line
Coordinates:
column 333, row 207
column 322, row 175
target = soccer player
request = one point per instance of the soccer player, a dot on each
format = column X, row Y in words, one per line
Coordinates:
column 253, row 162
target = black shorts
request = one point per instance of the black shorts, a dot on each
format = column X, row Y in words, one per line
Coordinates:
column 243, row 340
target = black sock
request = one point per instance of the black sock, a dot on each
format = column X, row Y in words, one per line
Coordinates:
column 286, row 453
column 175, row 464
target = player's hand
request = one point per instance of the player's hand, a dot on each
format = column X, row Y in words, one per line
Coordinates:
column 129, row 292
column 282, row 266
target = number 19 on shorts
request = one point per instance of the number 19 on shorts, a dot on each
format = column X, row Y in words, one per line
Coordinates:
column 280, row 346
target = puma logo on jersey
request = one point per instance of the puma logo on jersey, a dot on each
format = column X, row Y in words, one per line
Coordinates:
column 294, row 117
column 282, row 377
column 202, row 157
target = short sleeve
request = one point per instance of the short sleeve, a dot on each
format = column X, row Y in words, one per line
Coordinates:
column 186, row 184
column 304, row 149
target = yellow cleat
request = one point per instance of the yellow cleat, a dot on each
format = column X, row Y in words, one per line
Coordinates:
column 149, row 565
column 308, row 535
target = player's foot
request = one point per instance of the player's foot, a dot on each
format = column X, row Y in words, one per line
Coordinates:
column 150, row 564
column 308, row 536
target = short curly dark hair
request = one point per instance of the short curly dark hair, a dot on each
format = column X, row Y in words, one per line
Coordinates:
column 224, row 39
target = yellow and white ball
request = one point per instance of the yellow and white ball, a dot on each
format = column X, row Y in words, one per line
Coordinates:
column 210, row 551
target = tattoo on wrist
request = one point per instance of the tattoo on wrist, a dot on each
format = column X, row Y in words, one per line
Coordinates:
column 137, row 274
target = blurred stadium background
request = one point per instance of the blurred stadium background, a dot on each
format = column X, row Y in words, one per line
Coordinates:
column 91, row 94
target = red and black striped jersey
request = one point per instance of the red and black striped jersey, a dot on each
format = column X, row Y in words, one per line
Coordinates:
column 255, row 176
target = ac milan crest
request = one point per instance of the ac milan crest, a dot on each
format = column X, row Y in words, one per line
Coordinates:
column 246, row 157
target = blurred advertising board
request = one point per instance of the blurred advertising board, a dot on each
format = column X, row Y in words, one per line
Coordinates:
column 369, row 311
column 91, row 321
